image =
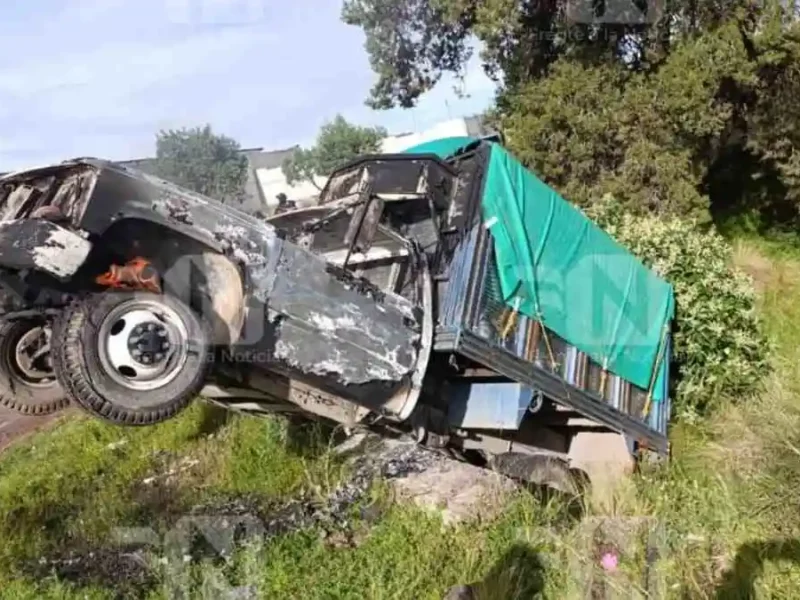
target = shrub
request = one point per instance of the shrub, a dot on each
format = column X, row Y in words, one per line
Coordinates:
column 719, row 346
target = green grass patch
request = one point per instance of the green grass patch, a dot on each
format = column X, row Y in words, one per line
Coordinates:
column 727, row 502
column 67, row 489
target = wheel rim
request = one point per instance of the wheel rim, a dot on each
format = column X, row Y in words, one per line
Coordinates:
column 143, row 344
column 31, row 359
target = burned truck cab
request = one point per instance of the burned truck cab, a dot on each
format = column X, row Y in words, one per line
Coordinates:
column 443, row 291
column 497, row 376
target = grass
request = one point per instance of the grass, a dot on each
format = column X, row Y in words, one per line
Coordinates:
column 68, row 488
column 727, row 504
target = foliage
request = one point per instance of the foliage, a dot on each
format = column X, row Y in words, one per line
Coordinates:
column 719, row 346
column 412, row 43
column 203, row 161
column 337, row 142
column 643, row 137
column 409, row 43
column 691, row 114
column 722, row 514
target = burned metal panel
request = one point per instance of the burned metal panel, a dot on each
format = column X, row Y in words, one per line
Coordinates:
column 43, row 246
column 288, row 394
column 329, row 323
column 63, row 188
column 393, row 176
column 364, row 225
column 126, row 194
column 94, row 194
column 122, row 194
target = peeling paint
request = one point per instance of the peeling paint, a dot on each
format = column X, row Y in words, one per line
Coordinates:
column 329, row 325
column 178, row 209
column 305, row 319
column 62, row 253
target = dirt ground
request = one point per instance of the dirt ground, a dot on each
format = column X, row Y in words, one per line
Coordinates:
column 14, row 425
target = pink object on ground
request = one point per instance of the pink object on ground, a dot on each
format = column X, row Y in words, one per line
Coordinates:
column 609, row 561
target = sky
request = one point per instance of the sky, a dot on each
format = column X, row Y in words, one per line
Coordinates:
column 101, row 77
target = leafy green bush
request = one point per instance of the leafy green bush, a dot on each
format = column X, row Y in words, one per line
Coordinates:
column 719, row 347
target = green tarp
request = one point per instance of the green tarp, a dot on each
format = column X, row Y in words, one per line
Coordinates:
column 555, row 264
column 443, row 147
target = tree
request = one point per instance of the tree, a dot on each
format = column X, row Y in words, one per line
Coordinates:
column 412, row 43
column 337, row 142
column 203, row 161
column 688, row 114
column 684, row 119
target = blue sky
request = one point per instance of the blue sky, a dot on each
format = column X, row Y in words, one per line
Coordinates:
column 100, row 77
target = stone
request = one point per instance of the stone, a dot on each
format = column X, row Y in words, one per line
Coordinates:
column 459, row 492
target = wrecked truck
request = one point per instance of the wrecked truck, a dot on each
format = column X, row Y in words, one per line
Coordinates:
column 444, row 292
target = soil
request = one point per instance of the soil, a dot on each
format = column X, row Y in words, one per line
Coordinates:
column 14, row 425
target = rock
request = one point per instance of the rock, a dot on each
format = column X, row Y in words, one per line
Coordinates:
column 458, row 491
column 352, row 444
column 605, row 458
column 247, row 592
column 460, row 592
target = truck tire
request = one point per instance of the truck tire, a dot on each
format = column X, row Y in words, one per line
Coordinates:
column 542, row 470
column 28, row 384
column 131, row 358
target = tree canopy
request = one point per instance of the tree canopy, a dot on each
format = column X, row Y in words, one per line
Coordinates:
column 673, row 108
column 337, row 142
column 203, row 161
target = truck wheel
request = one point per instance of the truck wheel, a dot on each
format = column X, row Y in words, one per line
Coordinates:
column 131, row 358
column 542, row 470
column 28, row 383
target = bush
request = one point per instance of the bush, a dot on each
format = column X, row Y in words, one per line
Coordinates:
column 719, row 346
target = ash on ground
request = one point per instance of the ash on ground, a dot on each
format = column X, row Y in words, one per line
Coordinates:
column 456, row 490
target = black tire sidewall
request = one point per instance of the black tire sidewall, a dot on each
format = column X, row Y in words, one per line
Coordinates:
column 109, row 398
column 15, row 392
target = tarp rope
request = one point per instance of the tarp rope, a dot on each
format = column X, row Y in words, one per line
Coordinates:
column 654, row 375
